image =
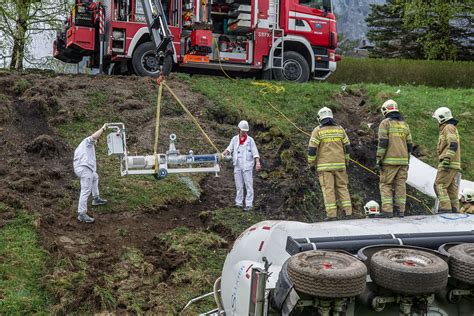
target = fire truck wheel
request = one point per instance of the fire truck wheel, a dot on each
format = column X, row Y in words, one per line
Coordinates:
column 408, row 271
column 327, row 274
column 461, row 263
column 295, row 68
column 145, row 61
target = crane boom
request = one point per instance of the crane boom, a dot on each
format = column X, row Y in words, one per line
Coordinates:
column 157, row 25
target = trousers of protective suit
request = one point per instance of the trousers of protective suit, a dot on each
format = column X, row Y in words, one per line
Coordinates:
column 447, row 189
column 393, row 187
column 243, row 177
column 334, row 187
column 89, row 184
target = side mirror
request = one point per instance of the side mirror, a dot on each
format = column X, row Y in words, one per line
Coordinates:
column 327, row 6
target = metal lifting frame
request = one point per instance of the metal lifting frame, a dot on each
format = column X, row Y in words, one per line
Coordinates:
column 157, row 25
column 145, row 165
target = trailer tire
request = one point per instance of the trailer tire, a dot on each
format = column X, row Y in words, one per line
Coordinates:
column 327, row 274
column 145, row 61
column 295, row 68
column 408, row 271
column 461, row 263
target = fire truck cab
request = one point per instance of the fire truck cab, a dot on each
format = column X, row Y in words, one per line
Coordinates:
column 292, row 40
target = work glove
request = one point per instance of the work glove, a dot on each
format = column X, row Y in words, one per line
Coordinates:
column 446, row 162
column 104, row 127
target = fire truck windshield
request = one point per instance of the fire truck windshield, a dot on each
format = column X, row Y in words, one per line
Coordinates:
column 323, row 5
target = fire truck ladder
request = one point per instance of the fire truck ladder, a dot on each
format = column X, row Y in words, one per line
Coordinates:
column 157, row 25
column 278, row 35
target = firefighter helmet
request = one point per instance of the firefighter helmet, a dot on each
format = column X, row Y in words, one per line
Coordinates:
column 325, row 112
column 244, row 126
column 443, row 114
column 372, row 208
column 389, row 107
column 468, row 195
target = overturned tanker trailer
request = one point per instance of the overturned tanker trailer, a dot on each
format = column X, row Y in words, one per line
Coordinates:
column 418, row 265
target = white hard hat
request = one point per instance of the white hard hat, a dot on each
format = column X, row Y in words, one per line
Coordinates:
column 388, row 107
column 325, row 112
column 468, row 195
column 443, row 114
column 244, row 126
column 372, row 208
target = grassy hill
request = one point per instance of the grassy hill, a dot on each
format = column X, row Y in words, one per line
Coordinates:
column 158, row 244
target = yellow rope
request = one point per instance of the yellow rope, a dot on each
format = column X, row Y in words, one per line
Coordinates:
column 269, row 87
column 157, row 126
column 191, row 116
column 219, row 60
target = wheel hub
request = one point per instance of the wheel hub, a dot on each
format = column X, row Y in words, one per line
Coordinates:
column 150, row 62
column 411, row 260
column 292, row 70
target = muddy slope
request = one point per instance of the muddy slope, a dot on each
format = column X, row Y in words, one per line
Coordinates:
column 37, row 175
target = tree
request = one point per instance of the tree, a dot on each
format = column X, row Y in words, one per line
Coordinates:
column 389, row 34
column 21, row 19
column 440, row 25
column 431, row 29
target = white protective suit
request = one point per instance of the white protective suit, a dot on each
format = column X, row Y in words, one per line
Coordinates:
column 85, row 168
column 243, row 158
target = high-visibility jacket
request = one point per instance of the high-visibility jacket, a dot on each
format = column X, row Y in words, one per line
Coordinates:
column 467, row 208
column 328, row 148
column 449, row 146
column 395, row 142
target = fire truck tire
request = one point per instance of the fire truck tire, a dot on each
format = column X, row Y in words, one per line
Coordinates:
column 327, row 274
column 145, row 61
column 295, row 68
column 408, row 271
column 461, row 263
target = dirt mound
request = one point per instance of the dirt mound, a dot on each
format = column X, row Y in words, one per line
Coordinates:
column 45, row 146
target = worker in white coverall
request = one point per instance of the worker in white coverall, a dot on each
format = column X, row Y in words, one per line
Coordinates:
column 85, row 168
column 244, row 158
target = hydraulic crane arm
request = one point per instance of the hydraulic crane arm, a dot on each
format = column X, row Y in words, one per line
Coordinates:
column 157, row 25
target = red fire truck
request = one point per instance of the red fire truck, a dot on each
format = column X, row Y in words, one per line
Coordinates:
column 293, row 40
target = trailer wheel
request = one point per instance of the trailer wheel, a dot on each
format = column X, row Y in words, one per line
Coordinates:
column 295, row 68
column 408, row 271
column 461, row 263
column 145, row 61
column 327, row 274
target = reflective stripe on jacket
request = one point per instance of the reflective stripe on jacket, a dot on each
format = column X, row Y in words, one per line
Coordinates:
column 394, row 141
column 447, row 137
column 329, row 142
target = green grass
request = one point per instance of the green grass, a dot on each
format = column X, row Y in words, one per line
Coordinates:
column 232, row 221
column 402, row 71
column 300, row 102
column 22, row 264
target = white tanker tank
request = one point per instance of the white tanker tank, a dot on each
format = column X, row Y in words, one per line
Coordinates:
column 418, row 265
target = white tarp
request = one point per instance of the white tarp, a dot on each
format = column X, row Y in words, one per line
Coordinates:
column 421, row 176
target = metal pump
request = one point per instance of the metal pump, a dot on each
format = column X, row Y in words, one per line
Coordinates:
column 171, row 162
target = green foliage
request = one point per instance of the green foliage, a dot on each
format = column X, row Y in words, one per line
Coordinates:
column 21, row 266
column 402, row 71
column 434, row 29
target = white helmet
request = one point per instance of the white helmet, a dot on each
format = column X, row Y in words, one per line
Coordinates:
column 468, row 195
column 244, row 126
column 372, row 208
column 443, row 115
column 325, row 112
column 388, row 107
